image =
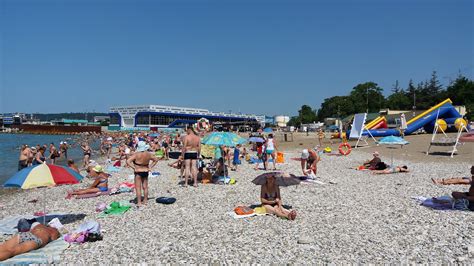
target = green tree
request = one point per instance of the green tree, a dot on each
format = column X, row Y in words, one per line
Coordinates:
column 367, row 96
column 337, row 106
column 410, row 93
column 461, row 92
column 294, row 121
column 399, row 99
column 307, row 115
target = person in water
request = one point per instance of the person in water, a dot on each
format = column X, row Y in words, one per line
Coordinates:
column 140, row 163
column 39, row 157
column 72, row 165
column 271, row 199
column 25, row 154
column 101, row 184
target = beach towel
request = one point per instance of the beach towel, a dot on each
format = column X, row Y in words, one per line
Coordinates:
column 93, row 195
column 236, row 216
column 46, row 255
column 115, row 208
column 8, row 224
column 112, row 169
column 443, row 203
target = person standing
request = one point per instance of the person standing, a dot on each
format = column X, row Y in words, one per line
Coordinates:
column 25, row 154
column 63, row 149
column 190, row 153
column 140, row 163
column 53, row 153
column 270, row 147
column 86, row 149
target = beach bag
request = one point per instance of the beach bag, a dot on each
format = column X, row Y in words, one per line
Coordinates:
column 165, row 200
column 243, row 210
column 280, row 157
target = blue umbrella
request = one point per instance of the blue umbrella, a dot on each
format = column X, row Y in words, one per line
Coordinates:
column 392, row 140
column 223, row 138
column 267, row 130
column 256, row 139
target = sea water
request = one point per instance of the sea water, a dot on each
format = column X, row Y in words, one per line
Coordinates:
column 10, row 150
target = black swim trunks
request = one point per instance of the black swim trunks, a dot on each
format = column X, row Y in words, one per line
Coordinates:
column 141, row 174
column 190, row 155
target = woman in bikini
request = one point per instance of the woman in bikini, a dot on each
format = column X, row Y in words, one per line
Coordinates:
column 38, row 237
column 391, row 170
column 87, row 154
column 271, row 200
column 39, row 157
column 140, row 163
column 101, row 184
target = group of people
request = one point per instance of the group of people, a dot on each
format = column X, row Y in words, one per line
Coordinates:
column 35, row 155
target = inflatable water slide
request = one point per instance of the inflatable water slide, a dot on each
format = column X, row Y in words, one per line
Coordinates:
column 377, row 123
column 444, row 112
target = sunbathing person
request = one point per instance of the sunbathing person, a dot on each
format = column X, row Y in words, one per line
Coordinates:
column 391, row 170
column 455, row 180
column 100, row 184
column 271, row 200
column 38, row 237
column 178, row 164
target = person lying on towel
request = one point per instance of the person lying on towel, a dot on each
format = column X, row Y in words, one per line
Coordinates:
column 455, row 180
column 37, row 237
column 271, row 200
column 100, row 184
column 466, row 195
column 392, row 170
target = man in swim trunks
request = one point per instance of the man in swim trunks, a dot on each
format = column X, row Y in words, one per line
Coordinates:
column 25, row 154
column 38, row 237
column 140, row 163
column 190, row 153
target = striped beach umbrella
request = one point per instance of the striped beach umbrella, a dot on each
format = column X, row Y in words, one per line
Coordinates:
column 43, row 175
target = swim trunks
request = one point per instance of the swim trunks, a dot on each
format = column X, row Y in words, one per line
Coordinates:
column 103, row 189
column 190, row 155
column 28, row 236
column 142, row 174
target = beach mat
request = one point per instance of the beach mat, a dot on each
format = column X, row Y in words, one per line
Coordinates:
column 236, row 216
column 92, row 195
column 51, row 253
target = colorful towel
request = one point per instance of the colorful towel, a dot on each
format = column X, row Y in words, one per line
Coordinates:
column 112, row 169
column 443, row 203
column 48, row 254
column 115, row 208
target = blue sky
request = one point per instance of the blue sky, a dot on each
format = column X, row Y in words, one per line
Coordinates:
column 257, row 56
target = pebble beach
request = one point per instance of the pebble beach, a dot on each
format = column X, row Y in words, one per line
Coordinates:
column 354, row 217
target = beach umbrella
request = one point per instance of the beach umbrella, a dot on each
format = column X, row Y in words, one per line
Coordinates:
column 256, row 139
column 223, row 138
column 267, row 130
column 392, row 141
column 43, row 175
column 281, row 179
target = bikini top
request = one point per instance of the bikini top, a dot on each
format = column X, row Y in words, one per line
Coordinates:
column 270, row 196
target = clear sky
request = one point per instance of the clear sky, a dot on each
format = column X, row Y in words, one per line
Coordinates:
column 265, row 57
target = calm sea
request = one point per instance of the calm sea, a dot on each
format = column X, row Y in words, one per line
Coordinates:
column 10, row 150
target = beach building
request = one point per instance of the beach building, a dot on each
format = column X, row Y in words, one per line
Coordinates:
column 161, row 116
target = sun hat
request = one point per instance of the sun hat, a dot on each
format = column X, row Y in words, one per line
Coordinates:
column 305, row 154
column 98, row 169
column 142, row 146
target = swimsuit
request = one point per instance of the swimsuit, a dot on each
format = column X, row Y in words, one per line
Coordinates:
column 142, row 174
column 190, row 155
column 103, row 189
column 28, row 236
column 271, row 196
column 22, row 164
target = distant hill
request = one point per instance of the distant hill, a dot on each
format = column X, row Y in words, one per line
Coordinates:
column 49, row 117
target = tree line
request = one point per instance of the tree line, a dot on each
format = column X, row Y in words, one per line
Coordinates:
column 369, row 97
